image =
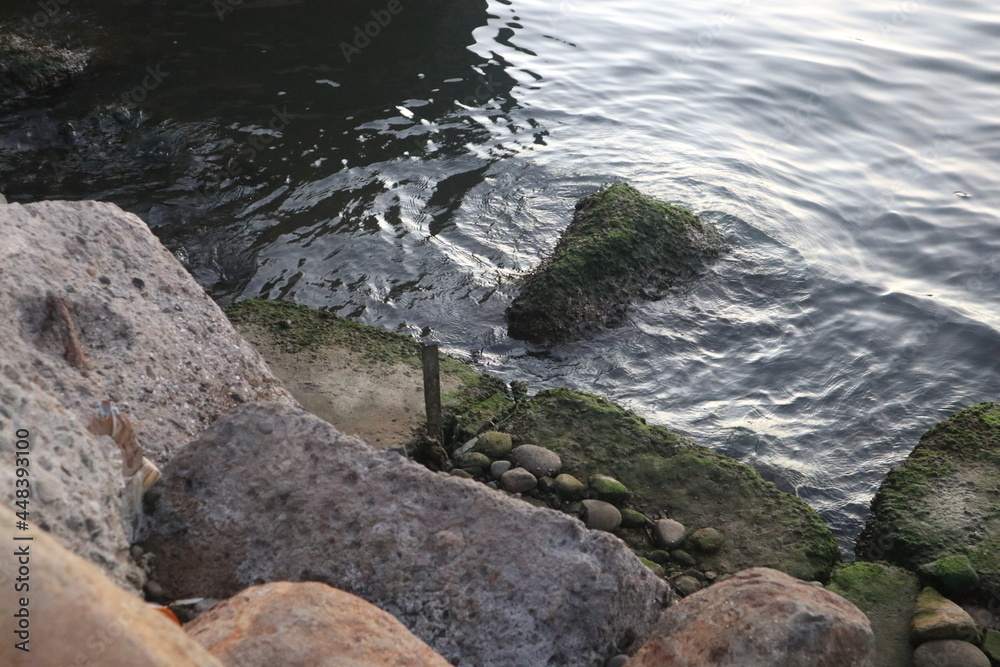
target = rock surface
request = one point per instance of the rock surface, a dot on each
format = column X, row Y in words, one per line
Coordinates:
column 155, row 342
column 949, row 653
column 271, row 493
column 886, row 594
column 76, row 480
column 620, row 244
column 942, row 500
column 77, row 616
column 760, row 618
column 307, row 625
column 937, row 617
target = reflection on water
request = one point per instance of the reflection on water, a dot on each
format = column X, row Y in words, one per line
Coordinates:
column 848, row 154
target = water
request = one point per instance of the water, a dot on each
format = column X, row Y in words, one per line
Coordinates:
column 849, row 155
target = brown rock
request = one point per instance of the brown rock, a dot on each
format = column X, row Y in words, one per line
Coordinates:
column 937, row 617
column 760, row 618
column 307, row 625
column 599, row 515
column 949, row 653
column 77, row 616
column 518, row 480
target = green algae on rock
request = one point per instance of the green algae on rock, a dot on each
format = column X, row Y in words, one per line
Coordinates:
column 886, row 594
column 668, row 475
column 944, row 499
column 620, row 245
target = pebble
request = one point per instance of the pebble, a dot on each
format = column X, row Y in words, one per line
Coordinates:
column 609, row 489
column 668, row 533
column 706, row 540
column 568, row 487
column 518, row 480
column 494, row 444
column 633, row 519
column 599, row 515
column 949, row 653
column 498, row 468
column 539, row 461
column 687, row 585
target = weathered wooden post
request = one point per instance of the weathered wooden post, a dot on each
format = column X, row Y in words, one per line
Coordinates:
column 432, row 391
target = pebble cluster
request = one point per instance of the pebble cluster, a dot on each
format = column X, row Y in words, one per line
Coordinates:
column 535, row 474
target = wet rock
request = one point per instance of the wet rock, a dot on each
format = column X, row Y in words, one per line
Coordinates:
column 306, row 624
column 634, row 519
column 568, row 487
column 397, row 535
column 599, row 515
column 886, row 594
column 498, row 468
column 78, row 613
column 518, row 480
column 687, row 585
column 539, row 461
column 949, row 653
column 706, row 540
column 951, row 575
column 781, row 621
column 942, row 499
column 494, row 444
column 608, row 489
column 937, row 617
column 620, row 245
column 668, row 533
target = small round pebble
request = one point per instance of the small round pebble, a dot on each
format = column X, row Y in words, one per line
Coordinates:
column 599, row 515
column 539, row 461
column 518, row 480
column 498, row 468
column 668, row 533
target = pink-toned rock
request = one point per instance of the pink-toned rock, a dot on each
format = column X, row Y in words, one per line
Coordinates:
column 760, row 618
column 75, row 615
column 307, row 625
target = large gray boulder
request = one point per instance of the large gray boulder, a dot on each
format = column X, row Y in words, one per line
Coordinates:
column 152, row 340
column 75, row 479
column 271, row 493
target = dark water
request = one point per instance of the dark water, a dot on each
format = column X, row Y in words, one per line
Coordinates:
column 850, row 156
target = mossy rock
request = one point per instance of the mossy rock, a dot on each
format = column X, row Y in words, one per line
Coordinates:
column 944, row 499
column 952, row 575
column 608, row 489
column 668, row 475
column 621, row 245
column 29, row 63
column 652, row 565
column 886, row 594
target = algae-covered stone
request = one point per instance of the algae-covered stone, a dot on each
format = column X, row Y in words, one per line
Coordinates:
column 472, row 460
column 943, row 499
column 608, row 489
column 568, row 487
column 634, row 519
column 706, row 540
column 494, row 444
column 687, row 585
column 620, row 245
column 952, row 575
column 991, row 644
column 660, row 556
column 937, row 617
column 886, row 593
column 668, row 475
column 652, row 565
column 683, row 558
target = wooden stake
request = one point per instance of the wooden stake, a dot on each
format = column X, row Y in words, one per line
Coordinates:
column 432, row 391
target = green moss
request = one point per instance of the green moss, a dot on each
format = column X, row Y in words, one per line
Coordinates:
column 668, row 475
column 944, row 499
column 620, row 245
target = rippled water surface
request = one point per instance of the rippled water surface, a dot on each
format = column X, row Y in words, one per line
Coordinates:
column 849, row 155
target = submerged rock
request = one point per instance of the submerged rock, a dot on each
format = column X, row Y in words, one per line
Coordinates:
column 942, row 500
column 621, row 245
column 306, row 624
column 484, row 579
column 760, row 618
